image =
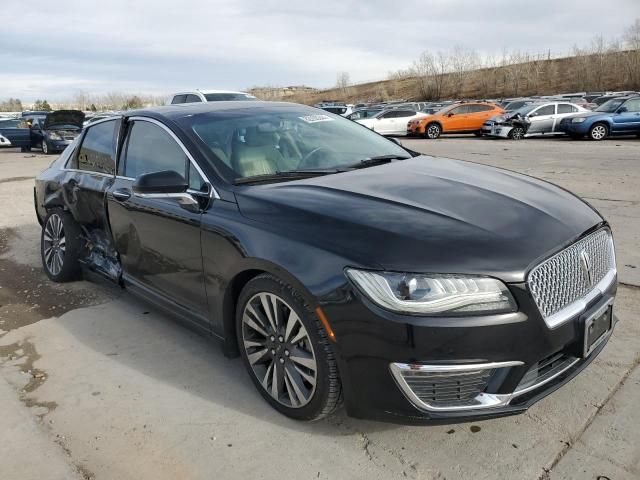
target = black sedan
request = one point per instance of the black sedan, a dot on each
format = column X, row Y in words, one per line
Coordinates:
column 338, row 264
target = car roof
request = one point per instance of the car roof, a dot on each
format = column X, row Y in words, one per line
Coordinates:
column 174, row 112
column 205, row 92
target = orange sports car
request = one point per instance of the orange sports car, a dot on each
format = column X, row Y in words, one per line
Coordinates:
column 465, row 117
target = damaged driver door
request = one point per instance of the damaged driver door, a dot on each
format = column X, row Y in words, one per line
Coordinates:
column 158, row 235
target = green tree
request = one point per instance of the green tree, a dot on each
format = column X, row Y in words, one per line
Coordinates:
column 37, row 105
column 93, row 107
column 45, row 106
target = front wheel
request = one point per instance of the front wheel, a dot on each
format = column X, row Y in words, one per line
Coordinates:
column 432, row 131
column 60, row 245
column 517, row 133
column 46, row 149
column 598, row 132
column 286, row 350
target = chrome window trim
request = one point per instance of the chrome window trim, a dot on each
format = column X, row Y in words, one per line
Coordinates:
column 485, row 400
column 213, row 193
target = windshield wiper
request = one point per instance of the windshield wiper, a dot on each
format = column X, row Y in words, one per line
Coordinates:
column 286, row 175
column 379, row 160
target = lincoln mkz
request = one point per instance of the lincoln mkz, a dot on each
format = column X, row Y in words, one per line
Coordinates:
column 341, row 267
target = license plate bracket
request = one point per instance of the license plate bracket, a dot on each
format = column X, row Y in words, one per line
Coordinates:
column 596, row 327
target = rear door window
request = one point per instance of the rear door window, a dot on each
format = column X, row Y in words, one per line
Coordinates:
column 151, row 149
column 566, row 108
column 97, row 151
column 178, row 99
column 546, row 110
column 192, row 99
column 405, row 113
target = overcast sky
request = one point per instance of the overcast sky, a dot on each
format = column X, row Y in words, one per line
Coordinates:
column 54, row 49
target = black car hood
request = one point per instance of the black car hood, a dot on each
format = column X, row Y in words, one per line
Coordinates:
column 64, row 117
column 427, row 215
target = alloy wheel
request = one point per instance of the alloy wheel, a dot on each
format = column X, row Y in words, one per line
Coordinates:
column 517, row 133
column 598, row 132
column 54, row 244
column 45, row 147
column 279, row 350
column 433, row 131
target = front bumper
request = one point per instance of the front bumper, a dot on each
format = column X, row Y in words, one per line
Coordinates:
column 415, row 130
column 59, row 145
column 371, row 341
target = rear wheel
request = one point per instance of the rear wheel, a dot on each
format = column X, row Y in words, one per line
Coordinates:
column 516, row 133
column 432, row 131
column 598, row 132
column 286, row 351
column 60, row 245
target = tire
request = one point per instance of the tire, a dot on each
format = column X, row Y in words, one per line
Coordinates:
column 516, row 133
column 432, row 131
column 598, row 131
column 60, row 246
column 308, row 391
column 46, row 149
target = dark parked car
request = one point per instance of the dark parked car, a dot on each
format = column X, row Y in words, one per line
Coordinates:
column 336, row 263
column 619, row 116
column 15, row 131
column 55, row 131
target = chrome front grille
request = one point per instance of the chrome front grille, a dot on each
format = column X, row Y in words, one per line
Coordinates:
column 572, row 274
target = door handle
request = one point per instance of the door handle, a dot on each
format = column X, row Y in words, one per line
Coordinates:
column 122, row 194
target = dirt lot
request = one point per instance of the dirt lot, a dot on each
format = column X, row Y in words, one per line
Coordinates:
column 96, row 384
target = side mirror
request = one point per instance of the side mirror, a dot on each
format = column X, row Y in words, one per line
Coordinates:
column 623, row 110
column 450, row 114
column 164, row 182
column 533, row 114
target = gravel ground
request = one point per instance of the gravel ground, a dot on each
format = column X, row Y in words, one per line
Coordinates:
column 107, row 387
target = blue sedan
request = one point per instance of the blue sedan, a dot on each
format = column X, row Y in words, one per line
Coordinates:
column 619, row 116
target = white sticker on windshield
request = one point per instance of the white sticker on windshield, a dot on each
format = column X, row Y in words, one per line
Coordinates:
column 316, row 118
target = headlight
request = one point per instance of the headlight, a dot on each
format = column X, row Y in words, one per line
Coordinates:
column 578, row 120
column 54, row 136
column 434, row 294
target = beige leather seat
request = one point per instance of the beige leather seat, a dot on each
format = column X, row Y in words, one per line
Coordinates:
column 258, row 154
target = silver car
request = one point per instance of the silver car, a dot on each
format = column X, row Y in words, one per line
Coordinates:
column 531, row 120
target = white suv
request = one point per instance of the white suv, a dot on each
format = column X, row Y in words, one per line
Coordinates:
column 196, row 96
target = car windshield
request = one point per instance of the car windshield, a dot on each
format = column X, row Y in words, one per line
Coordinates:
column 264, row 141
column 610, row 106
column 14, row 123
column 222, row 97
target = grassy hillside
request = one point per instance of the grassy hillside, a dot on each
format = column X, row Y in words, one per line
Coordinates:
column 590, row 72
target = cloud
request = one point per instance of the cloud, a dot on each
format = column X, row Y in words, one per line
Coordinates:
column 160, row 46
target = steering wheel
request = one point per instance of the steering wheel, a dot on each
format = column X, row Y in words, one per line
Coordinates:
column 305, row 160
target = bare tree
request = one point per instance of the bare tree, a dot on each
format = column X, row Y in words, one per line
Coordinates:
column 461, row 61
column 343, row 81
column 631, row 55
column 430, row 72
